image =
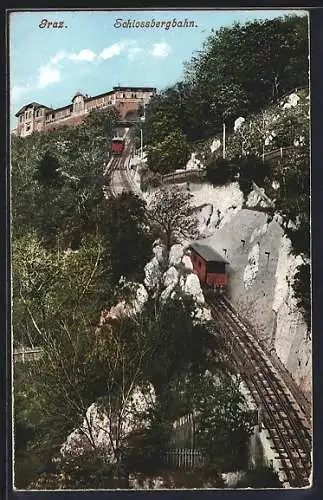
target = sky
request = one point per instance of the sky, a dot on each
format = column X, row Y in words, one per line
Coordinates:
column 96, row 50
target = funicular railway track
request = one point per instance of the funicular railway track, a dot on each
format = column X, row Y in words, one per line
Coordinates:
column 287, row 423
column 115, row 176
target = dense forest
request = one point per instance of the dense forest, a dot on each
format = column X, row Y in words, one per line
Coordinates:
column 70, row 248
column 239, row 70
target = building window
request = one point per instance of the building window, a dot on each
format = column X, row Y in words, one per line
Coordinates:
column 21, row 118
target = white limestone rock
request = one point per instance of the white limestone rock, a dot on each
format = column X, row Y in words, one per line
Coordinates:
column 99, row 429
column 187, row 263
column 175, row 255
column 238, row 122
column 192, row 286
column 170, row 277
column 152, row 274
column 251, row 270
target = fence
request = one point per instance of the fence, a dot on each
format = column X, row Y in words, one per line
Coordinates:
column 277, row 153
column 182, row 435
column 186, row 175
column 184, row 458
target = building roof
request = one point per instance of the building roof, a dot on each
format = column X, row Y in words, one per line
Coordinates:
column 63, row 107
column 77, row 94
column 129, row 89
column 87, row 98
column 31, row 104
column 91, row 98
column 207, row 253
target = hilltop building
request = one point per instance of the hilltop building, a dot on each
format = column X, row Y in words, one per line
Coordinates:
column 35, row 117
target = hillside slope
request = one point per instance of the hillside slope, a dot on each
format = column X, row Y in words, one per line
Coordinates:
column 261, row 272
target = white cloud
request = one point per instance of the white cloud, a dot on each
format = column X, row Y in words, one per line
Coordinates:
column 116, row 49
column 83, row 55
column 161, row 49
column 47, row 75
column 59, row 56
column 18, row 91
column 113, row 50
column 133, row 52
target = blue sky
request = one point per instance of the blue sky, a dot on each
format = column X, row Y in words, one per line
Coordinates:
column 90, row 54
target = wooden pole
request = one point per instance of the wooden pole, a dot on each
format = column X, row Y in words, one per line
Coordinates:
column 141, row 143
column 223, row 140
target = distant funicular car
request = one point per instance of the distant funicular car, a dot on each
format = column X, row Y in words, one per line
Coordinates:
column 209, row 266
column 117, row 146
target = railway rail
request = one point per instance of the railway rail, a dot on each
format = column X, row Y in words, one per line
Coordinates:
column 115, row 175
column 286, row 420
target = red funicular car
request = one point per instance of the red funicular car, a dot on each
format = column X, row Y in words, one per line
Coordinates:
column 117, row 146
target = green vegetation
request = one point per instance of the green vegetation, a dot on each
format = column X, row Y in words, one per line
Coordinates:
column 170, row 153
column 245, row 71
column 171, row 216
column 260, row 477
column 125, row 226
column 71, row 247
column 240, row 70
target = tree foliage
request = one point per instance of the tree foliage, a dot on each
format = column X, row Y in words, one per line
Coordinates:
column 127, row 236
column 222, row 420
column 261, row 476
column 239, row 70
column 70, row 159
column 168, row 329
column 168, row 154
column 170, row 212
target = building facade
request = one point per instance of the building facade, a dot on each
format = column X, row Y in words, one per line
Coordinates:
column 35, row 117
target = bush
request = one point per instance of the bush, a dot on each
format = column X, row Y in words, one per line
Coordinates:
column 145, row 450
column 302, row 290
column 150, row 179
column 251, row 169
column 169, row 154
column 260, row 477
column 219, row 171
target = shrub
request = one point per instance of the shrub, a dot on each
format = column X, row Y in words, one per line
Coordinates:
column 219, row 171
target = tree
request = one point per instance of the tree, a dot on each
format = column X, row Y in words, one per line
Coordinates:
column 302, row 290
column 169, row 153
column 230, row 101
column 170, row 211
column 100, row 123
column 127, row 237
column 219, row 171
column 51, row 288
column 167, row 328
column 261, row 56
column 260, row 477
column 70, row 158
column 222, row 420
column 48, row 172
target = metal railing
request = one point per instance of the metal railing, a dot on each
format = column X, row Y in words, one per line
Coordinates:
column 184, row 458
